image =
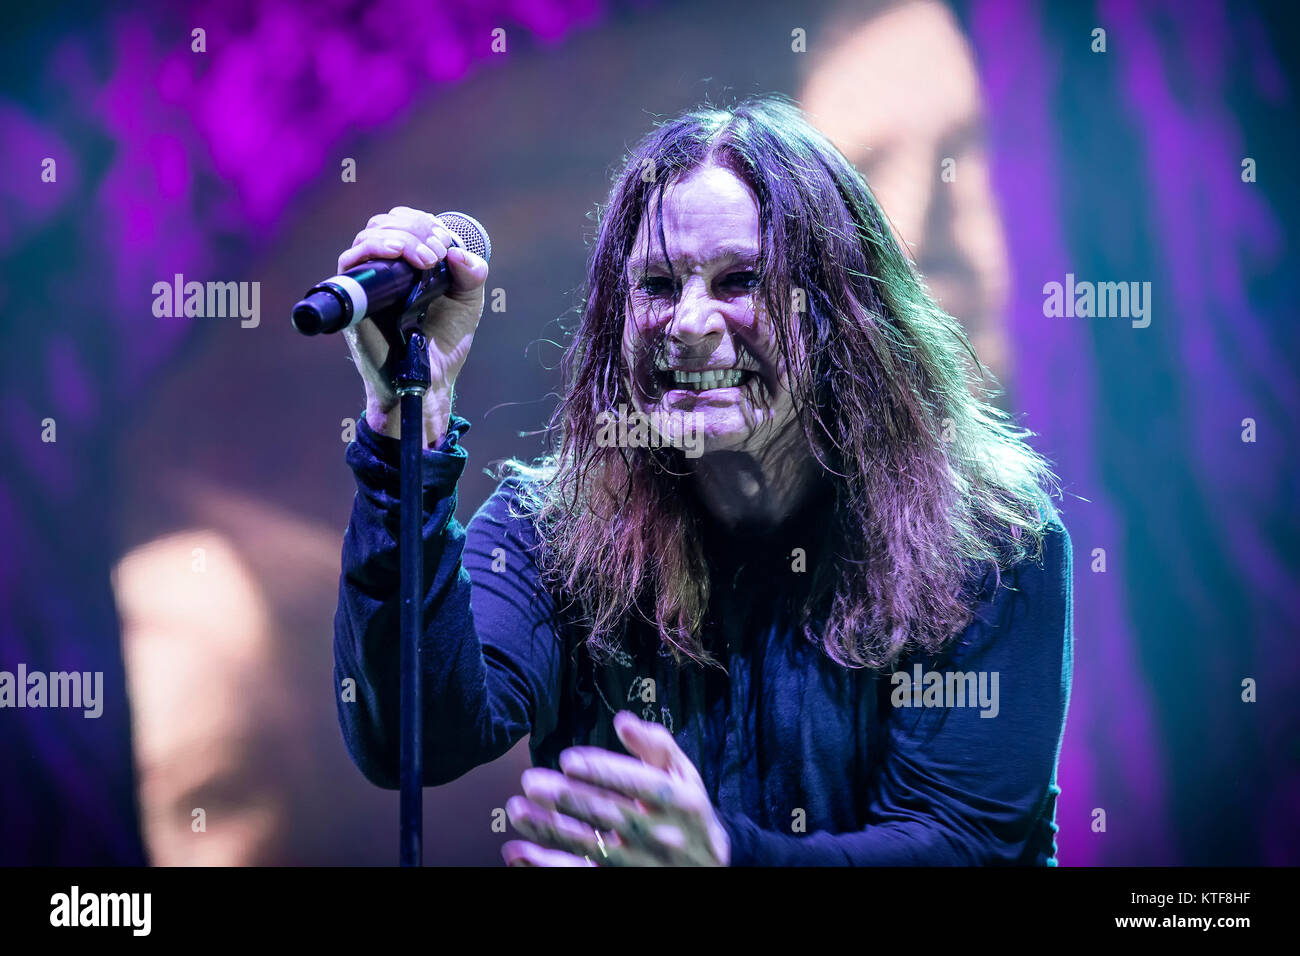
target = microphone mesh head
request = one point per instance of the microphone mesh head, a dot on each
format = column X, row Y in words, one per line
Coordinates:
column 469, row 231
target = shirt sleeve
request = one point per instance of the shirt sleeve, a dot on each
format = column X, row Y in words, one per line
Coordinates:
column 956, row 787
column 490, row 655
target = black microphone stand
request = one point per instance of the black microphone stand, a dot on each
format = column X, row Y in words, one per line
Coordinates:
column 412, row 379
column 328, row 307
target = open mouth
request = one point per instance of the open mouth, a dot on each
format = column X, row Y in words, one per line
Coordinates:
column 703, row 381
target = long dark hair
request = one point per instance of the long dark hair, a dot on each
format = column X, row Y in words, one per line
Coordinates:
column 932, row 482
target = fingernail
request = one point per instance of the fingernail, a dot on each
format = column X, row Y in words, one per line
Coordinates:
column 425, row 254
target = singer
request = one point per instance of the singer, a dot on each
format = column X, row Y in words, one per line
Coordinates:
column 704, row 650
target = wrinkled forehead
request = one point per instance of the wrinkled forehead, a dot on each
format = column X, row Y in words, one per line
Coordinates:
column 707, row 215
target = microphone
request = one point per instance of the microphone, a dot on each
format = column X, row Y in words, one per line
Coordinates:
column 385, row 285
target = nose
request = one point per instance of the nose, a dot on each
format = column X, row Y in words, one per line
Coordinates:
column 696, row 317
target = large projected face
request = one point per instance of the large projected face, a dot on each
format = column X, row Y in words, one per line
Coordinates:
column 923, row 150
column 701, row 355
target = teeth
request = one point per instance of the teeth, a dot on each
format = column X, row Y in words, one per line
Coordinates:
column 702, row 381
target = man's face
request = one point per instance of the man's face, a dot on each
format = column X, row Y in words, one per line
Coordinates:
column 718, row 382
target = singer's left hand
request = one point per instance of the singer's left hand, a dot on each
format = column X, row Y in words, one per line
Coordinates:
column 651, row 811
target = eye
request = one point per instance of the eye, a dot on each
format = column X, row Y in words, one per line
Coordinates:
column 656, row 286
column 748, row 280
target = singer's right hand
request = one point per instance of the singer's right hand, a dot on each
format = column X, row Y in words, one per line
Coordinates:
column 449, row 324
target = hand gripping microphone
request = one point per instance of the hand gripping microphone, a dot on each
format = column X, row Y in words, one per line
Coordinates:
column 385, row 286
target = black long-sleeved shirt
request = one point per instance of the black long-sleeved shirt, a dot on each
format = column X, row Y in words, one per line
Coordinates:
column 806, row 761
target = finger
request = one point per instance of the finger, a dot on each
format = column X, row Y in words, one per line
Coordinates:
column 653, row 743
column 435, row 241
column 417, row 220
column 559, row 832
column 523, row 853
column 642, row 837
column 388, row 244
column 638, row 837
column 591, row 805
column 552, row 829
column 403, row 217
column 381, row 244
column 430, row 253
column 444, row 235
column 627, row 775
column 388, row 221
column 468, row 270
column 417, row 223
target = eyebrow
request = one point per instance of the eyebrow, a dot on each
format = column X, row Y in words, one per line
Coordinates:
column 636, row 261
